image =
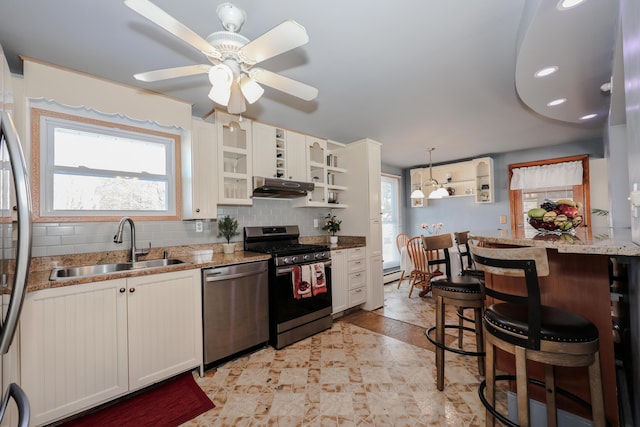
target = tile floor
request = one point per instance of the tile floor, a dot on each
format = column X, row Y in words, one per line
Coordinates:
column 369, row 369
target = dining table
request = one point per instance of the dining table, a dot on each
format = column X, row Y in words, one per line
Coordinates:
column 406, row 264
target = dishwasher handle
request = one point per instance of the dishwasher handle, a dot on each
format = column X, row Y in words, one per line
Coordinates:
column 216, row 276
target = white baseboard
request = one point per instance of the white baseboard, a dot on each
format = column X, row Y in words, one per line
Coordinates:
column 391, row 277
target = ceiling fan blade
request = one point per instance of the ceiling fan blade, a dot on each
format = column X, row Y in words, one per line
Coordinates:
column 279, row 39
column 172, row 25
column 284, row 84
column 170, row 73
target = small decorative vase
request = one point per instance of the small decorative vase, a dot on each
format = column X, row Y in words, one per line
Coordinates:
column 333, row 240
column 228, row 248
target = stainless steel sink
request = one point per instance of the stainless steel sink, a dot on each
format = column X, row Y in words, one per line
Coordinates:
column 62, row 273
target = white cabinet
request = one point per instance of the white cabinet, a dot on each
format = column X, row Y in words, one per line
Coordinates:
column 278, row 153
column 348, row 278
column 339, row 280
column 84, row 345
column 328, row 178
column 296, row 156
column 483, row 171
column 357, row 270
column 267, row 150
column 199, row 178
column 363, row 183
column 164, row 326
column 235, row 164
column 471, row 178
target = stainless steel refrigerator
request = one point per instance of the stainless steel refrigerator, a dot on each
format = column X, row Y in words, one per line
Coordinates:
column 15, row 250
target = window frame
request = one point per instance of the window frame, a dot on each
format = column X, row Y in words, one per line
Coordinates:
column 581, row 193
column 41, row 191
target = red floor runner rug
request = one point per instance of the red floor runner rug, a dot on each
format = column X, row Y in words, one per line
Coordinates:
column 167, row 405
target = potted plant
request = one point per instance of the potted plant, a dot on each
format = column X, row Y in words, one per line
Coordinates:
column 332, row 226
column 227, row 228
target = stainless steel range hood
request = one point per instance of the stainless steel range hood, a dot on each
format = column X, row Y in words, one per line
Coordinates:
column 280, row 188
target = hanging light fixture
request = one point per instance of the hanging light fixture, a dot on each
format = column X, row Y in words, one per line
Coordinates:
column 417, row 193
column 438, row 192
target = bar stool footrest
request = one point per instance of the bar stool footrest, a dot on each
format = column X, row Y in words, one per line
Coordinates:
column 505, row 420
column 453, row 349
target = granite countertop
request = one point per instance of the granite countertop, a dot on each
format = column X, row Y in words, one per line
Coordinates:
column 605, row 241
column 194, row 257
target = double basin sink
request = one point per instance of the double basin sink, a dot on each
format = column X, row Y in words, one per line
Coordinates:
column 101, row 269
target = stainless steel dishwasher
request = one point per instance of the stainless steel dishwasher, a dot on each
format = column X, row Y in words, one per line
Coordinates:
column 235, row 306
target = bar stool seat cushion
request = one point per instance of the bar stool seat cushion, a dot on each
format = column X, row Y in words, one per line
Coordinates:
column 462, row 284
column 556, row 324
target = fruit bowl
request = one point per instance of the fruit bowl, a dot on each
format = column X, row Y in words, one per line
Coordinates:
column 561, row 216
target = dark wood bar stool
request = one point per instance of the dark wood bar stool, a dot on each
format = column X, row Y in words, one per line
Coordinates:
column 460, row 292
column 519, row 324
column 467, row 266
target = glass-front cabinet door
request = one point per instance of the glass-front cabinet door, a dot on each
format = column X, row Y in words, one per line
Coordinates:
column 234, row 159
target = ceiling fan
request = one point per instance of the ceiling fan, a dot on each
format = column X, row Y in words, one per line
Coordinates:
column 232, row 74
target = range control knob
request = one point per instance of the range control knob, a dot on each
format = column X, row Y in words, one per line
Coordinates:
column 320, row 255
column 294, row 259
column 306, row 257
column 286, row 260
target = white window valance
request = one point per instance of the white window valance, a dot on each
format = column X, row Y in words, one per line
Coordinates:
column 547, row 176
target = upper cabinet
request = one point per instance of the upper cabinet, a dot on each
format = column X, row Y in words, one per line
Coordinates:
column 483, row 169
column 278, row 153
column 199, row 179
column 235, row 153
column 324, row 171
column 472, row 178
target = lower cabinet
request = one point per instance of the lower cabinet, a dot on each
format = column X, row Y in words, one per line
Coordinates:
column 357, row 276
column 348, row 278
column 86, row 344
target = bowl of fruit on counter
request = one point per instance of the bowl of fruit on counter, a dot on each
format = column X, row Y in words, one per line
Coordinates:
column 561, row 216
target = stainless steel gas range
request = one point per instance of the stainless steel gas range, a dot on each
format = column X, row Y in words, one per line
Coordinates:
column 299, row 283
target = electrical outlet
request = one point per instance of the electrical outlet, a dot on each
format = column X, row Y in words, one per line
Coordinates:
column 315, row 222
column 503, row 219
column 199, row 227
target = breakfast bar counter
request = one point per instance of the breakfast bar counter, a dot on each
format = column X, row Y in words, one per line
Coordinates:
column 579, row 281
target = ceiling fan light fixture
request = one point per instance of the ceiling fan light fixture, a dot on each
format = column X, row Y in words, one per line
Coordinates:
column 220, row 75
column 251, row 90
column 220, row 95
column 236, row 100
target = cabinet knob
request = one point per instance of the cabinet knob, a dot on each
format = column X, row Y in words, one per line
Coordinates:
column 122, row 290
column 197, row 209
column 132, row 290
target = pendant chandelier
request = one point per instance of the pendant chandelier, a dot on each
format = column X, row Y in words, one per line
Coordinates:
column 438, row 191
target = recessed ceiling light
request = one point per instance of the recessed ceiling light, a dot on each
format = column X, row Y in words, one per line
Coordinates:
column 568, row 4
column 545, row 71
column 589, row 116
column 556, row 102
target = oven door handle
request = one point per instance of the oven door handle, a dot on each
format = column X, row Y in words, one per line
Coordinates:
column 281, row 271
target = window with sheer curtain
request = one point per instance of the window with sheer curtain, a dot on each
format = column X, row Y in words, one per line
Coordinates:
column 531, row 183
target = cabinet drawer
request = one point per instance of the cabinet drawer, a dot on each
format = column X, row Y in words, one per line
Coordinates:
column 357, row 296
column 357, row 253
column 356, row 279
column 356, row 265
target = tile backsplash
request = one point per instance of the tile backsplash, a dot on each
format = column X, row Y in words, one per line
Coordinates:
column 51, row 239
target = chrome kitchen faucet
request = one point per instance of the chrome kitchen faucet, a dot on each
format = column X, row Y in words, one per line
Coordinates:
column 118, row 238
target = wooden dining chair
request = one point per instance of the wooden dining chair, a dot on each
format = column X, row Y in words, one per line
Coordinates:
column 401, row 242
column 420, row 276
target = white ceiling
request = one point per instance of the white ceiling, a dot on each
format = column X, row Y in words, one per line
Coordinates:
column 411, row 74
